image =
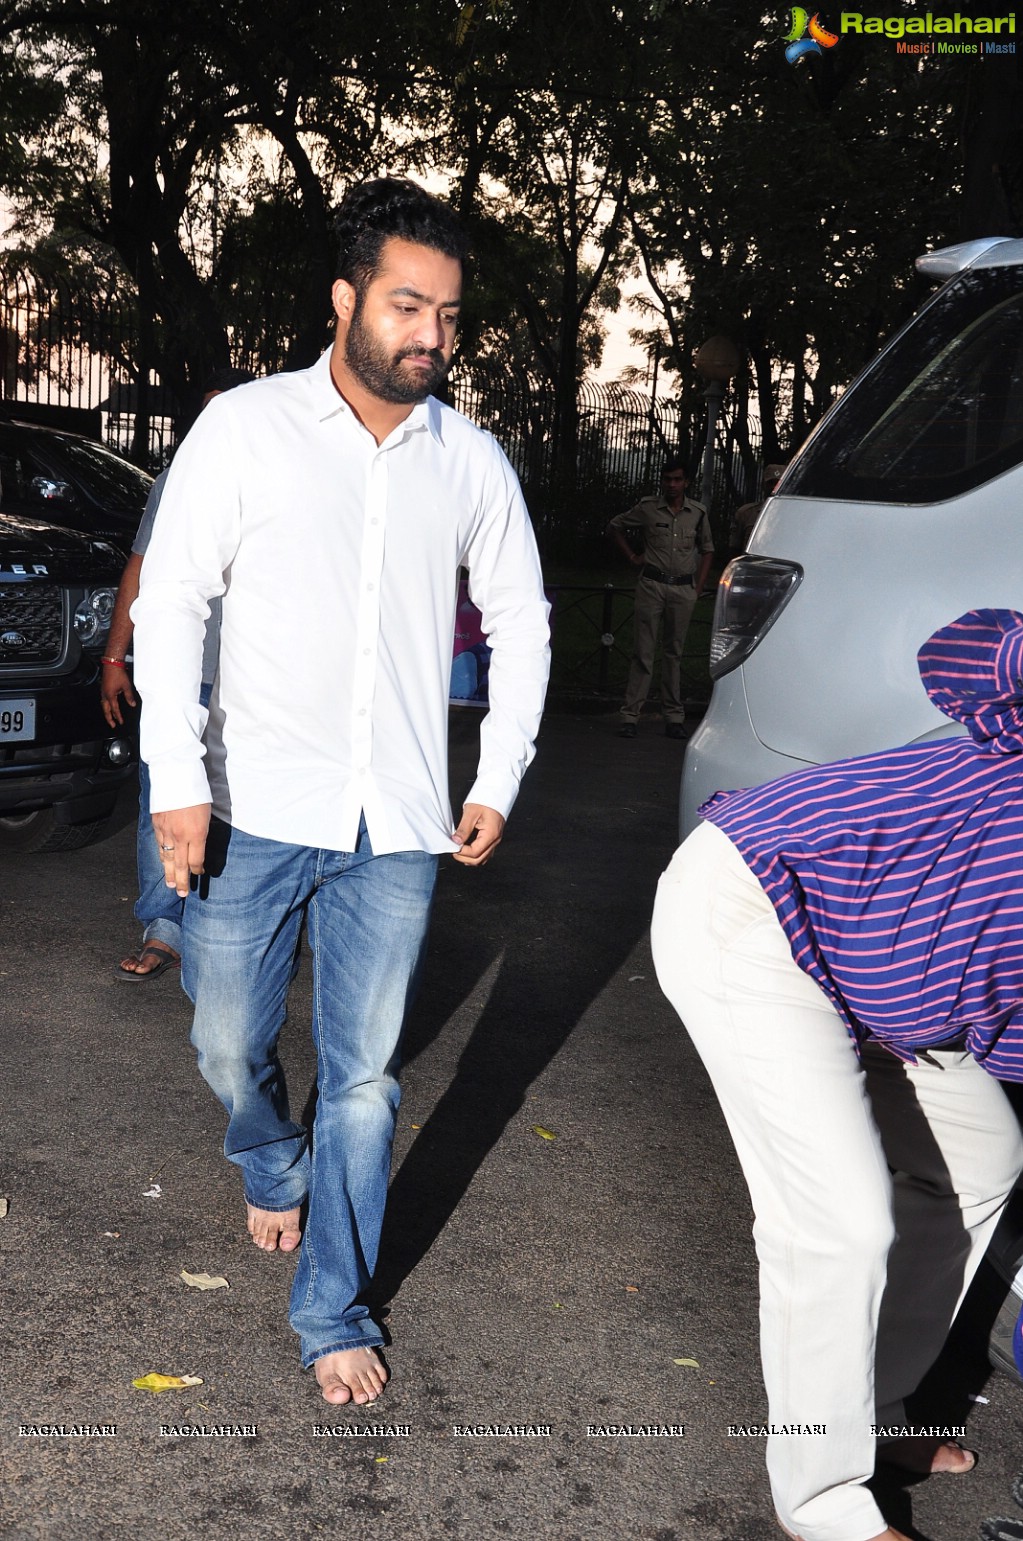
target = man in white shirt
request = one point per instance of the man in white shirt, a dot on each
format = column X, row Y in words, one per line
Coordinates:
column 332, row 509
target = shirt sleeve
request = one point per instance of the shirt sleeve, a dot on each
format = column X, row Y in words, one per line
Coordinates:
column 192, row 545
column 706, row 536
column 630, row 519
column 140, row 545
column 506, row 585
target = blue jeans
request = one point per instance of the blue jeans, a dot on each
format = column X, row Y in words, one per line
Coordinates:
column 158, row 908
column 367, row 922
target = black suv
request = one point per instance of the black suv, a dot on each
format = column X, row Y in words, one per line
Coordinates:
column 60, row 765
column 69, row 480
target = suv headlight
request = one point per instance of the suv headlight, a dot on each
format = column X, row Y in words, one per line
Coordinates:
column 753, row 592
column 93, row 616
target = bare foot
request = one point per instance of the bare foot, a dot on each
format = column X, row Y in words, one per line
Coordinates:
column 151, row 958
column 351, row 1375
column 925, row 1456
column 273, row 1228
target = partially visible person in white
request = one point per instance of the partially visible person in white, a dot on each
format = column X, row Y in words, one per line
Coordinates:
column 332, row 509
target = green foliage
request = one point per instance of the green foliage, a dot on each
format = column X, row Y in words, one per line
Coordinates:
column 194, row 153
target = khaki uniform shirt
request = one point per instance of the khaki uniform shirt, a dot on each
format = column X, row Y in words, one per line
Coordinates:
column 672, row 542
column 743, row 520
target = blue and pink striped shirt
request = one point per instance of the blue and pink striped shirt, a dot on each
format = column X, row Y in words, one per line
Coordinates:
column 898, row 877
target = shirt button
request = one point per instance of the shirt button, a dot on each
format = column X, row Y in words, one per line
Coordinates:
column 369, row 588
column 366, row 652
column 362, row 711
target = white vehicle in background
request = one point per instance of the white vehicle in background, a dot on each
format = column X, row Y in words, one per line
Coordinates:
column 901, row 511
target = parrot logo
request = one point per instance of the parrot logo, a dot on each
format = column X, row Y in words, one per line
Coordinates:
column 806, row 35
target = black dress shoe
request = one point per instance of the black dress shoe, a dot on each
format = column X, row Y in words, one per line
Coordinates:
column 627, row 730
column 674, row 730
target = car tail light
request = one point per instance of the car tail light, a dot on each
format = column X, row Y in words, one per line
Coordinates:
column 753, row 592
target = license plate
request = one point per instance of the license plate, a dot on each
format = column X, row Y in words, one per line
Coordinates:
column 17, row 721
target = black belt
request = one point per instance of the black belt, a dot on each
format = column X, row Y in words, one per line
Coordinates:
column 657, row 576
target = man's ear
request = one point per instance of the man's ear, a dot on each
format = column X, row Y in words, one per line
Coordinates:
column 342, row 295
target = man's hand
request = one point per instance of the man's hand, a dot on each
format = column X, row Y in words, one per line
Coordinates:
column 114, row 683
column 181, row 837
column 479, row 834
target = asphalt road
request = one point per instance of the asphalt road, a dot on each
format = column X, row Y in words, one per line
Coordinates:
column 601, row 1277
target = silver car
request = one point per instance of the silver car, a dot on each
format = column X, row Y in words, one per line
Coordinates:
column 898, row 514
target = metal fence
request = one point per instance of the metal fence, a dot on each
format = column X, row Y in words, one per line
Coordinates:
column 66, row 351
column 591, row 644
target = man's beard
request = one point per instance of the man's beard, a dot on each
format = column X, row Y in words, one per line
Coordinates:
column 381, row 373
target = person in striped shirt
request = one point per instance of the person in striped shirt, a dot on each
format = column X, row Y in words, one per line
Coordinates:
column 845, row 947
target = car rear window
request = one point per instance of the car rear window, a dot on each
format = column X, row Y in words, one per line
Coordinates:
column 939, row 412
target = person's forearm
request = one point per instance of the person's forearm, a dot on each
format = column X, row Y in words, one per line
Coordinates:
column 170, row 623
column 704, row 572
column 121, row 624
column 625, row 548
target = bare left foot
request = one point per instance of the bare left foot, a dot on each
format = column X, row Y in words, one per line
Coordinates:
column 274, row 1228
column 921, row 1454
column 351, row 1375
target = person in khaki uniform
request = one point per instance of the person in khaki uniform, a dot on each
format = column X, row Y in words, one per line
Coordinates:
column 675, row 560
column 746, row 516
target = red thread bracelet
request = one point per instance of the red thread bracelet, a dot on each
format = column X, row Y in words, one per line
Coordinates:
column 118, row 663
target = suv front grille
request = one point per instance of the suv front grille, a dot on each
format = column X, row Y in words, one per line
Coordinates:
column 30, row 623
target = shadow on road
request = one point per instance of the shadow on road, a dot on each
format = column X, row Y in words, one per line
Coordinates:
column 542, row 930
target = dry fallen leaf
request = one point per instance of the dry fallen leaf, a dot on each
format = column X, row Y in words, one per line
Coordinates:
column 154, row 1191
column 693, row 1363
column 155, row 1382
column 632, row 1289
column 5, row 1205
column 545, row 1134
column 204, row 1281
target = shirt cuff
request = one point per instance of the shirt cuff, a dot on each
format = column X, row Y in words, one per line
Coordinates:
column 495, row 792
column 177, row 786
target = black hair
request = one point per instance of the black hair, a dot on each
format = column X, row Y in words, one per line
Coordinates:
column 226, row 379
column 675, row 465
column 388, row 207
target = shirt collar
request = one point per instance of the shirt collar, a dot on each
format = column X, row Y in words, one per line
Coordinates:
column 328, row 401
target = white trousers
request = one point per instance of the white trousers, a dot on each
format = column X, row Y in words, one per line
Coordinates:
column 875, row 1185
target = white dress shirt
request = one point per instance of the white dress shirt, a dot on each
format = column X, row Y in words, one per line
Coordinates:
column 338, row 564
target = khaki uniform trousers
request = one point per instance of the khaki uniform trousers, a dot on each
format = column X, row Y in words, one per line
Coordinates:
column 672, row 604
column 876, row 1185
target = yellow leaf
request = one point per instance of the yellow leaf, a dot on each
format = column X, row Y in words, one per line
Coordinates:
column 204, row 1281
column 632, row 1289
column 545, row 1134
column 693, row 1363
column 381, row 1460
column 156, row 1383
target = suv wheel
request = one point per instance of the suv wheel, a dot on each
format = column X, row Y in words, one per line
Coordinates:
column 30, row 833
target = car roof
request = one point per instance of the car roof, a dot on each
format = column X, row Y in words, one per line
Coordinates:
column 998, row 251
